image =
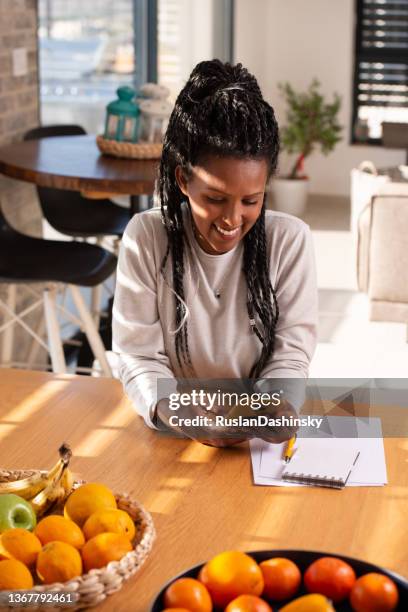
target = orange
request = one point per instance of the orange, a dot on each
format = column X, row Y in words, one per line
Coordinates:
column 282, row 578
column 86, row 500
column 103, row 548
column 314, row 602
column 19, row 544
column 14, row 575
column 374, row 593
column 175, row 610
column 188, row 593
column 231, row 574
column 55, row 527
column 331, row 577
column 248, row 603
column 114, row 521
column 58, row 562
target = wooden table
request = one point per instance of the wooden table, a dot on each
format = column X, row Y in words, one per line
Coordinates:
column 202, row 499
column 75, row 162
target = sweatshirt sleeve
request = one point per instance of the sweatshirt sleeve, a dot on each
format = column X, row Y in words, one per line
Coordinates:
column 296, row 331
column 136, row 328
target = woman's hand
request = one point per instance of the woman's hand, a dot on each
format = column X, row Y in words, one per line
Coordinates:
column 277, row 435
column 221, row 437
column 208, row 434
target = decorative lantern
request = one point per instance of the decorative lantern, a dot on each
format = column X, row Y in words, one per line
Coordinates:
column 122, row 117
column 155, row 111
column 154, row 90
column 155, row 114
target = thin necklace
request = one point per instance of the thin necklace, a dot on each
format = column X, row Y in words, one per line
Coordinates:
column 217, row 291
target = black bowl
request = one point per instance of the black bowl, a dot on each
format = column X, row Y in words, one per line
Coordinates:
column 303, row 558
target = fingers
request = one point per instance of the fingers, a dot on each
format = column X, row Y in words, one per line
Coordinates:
column 278, row 437
column 222, row 443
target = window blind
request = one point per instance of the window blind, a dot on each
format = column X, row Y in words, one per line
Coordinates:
column 381, row 70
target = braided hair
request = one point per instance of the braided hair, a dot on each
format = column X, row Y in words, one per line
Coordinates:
column 220, row 111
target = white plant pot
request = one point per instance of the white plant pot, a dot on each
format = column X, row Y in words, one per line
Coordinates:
column 289, row 195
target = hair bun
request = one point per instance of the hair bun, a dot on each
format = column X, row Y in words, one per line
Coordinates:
column 211, row 77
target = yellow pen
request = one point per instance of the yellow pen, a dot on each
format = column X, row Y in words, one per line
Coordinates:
column 289, row 449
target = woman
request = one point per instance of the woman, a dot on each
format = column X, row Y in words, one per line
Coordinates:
column 211, row 285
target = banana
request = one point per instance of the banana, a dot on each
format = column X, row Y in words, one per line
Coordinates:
column 56, row 491
column 67, row 481
column 32, row 485
column 57, row 486
column 47, row 498
column 25, row 487
column 50, row 494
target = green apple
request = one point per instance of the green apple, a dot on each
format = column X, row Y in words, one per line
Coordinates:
column 16, row 512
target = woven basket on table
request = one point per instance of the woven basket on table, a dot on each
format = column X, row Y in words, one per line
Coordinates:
column 134, row 150
column 92, row 588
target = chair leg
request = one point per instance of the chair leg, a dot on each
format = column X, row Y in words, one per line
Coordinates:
column 35, row 347
column 53, row 331
column 90, row 330
column 96, row 299
column 96, row 295
column 8, row 334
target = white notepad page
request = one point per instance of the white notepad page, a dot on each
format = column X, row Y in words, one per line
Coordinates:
column 326, row 459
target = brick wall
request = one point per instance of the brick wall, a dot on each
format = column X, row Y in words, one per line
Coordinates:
column 19, row 111
column 19, row 108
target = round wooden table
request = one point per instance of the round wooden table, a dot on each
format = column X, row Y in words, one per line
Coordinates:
column 75, row 163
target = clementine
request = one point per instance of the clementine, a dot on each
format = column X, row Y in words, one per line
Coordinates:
column 86, row 500
column 113, row 521
column 55, row 527
column 331, row 577
column 374, row 593
column 104, row 548
column 188, row 593
column 14, row 575
column 282, row 578
column 58, row 562
column 248, row 603
column 19, row 544
column 314, row 602
column 230, row 574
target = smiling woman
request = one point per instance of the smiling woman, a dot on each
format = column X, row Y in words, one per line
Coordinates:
column 211, row 285
column 226, row 197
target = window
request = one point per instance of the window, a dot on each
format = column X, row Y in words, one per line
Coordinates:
column 381, row 67
column 190, row 31
column 86, row 50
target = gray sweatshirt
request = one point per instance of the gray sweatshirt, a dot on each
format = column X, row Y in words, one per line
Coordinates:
column 221, row 341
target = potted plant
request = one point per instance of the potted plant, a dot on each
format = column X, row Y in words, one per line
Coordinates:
column 310, row 121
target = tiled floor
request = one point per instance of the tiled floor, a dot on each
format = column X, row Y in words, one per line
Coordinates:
column 352, row 346
column 349, row 344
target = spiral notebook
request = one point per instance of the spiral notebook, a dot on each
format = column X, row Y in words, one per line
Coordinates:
column 330, row 469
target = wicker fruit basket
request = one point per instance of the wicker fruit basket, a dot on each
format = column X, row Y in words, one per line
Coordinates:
column 132, row 150
column 94, row 587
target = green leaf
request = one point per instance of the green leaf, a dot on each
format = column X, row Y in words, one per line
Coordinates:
column 310, row 120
